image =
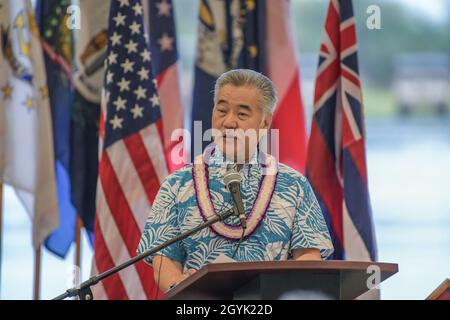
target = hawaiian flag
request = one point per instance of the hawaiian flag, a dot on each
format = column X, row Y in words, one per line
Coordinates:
column 132, row 163
column 336, row 163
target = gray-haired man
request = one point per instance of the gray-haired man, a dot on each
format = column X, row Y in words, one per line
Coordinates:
column 283, row 218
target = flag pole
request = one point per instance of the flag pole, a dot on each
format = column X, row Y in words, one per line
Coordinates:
column 1, row 234
column 37, row 272
column 79, row 226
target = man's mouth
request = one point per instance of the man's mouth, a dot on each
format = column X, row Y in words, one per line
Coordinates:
column 231, row 139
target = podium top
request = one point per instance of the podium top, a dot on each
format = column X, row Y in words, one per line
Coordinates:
column 228, row 276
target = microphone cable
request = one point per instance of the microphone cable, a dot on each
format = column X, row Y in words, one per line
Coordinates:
column 239, row 243
column 159, row 278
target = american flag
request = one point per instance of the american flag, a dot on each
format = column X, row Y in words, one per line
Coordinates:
column 336, row 164
column 132, row 163
column 161, row 25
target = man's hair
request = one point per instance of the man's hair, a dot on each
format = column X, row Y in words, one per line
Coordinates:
column 246, row 77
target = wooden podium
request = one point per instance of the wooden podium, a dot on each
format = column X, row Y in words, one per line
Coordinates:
column 280, row 280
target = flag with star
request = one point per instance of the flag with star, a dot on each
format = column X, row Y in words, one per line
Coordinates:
column 26, row 140
column 132, row 163
column 160, row 21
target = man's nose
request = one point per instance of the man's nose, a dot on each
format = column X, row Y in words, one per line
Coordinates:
column 230, row 121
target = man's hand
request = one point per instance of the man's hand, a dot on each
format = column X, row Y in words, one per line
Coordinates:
column 168, row 273
column 184, row 276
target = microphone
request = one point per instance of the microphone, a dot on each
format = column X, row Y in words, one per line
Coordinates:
column 232, row 180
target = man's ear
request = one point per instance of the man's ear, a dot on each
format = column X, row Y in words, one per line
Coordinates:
column 267, row 121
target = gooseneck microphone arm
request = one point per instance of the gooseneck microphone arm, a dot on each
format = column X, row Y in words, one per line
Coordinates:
column 236, row 195
column 232, row 180
column 83, row 291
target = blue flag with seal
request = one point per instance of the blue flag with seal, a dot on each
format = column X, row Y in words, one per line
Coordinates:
column 57, row 46
column 88, row 72
column 230, row 35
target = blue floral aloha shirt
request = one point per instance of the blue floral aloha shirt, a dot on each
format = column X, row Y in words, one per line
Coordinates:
column 293, row 220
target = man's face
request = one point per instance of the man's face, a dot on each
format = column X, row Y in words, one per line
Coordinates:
column 239, row 118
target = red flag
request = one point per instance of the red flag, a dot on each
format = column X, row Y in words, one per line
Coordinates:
column 283, row 69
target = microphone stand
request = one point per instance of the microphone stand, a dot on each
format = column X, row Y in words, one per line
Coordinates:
column 83, row 291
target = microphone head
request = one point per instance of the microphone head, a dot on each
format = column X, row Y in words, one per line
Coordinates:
column 232, row 177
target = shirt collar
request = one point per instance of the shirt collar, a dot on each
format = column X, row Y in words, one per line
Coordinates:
column 218, row 159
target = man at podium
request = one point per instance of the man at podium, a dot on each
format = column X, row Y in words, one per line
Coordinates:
column 282, row 218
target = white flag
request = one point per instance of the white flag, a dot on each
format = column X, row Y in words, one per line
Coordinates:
column 26, row 141
column 90, row 48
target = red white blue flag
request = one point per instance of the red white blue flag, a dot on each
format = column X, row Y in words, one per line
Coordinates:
column 163, row 47
column 336, row 164
column 132, row 153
